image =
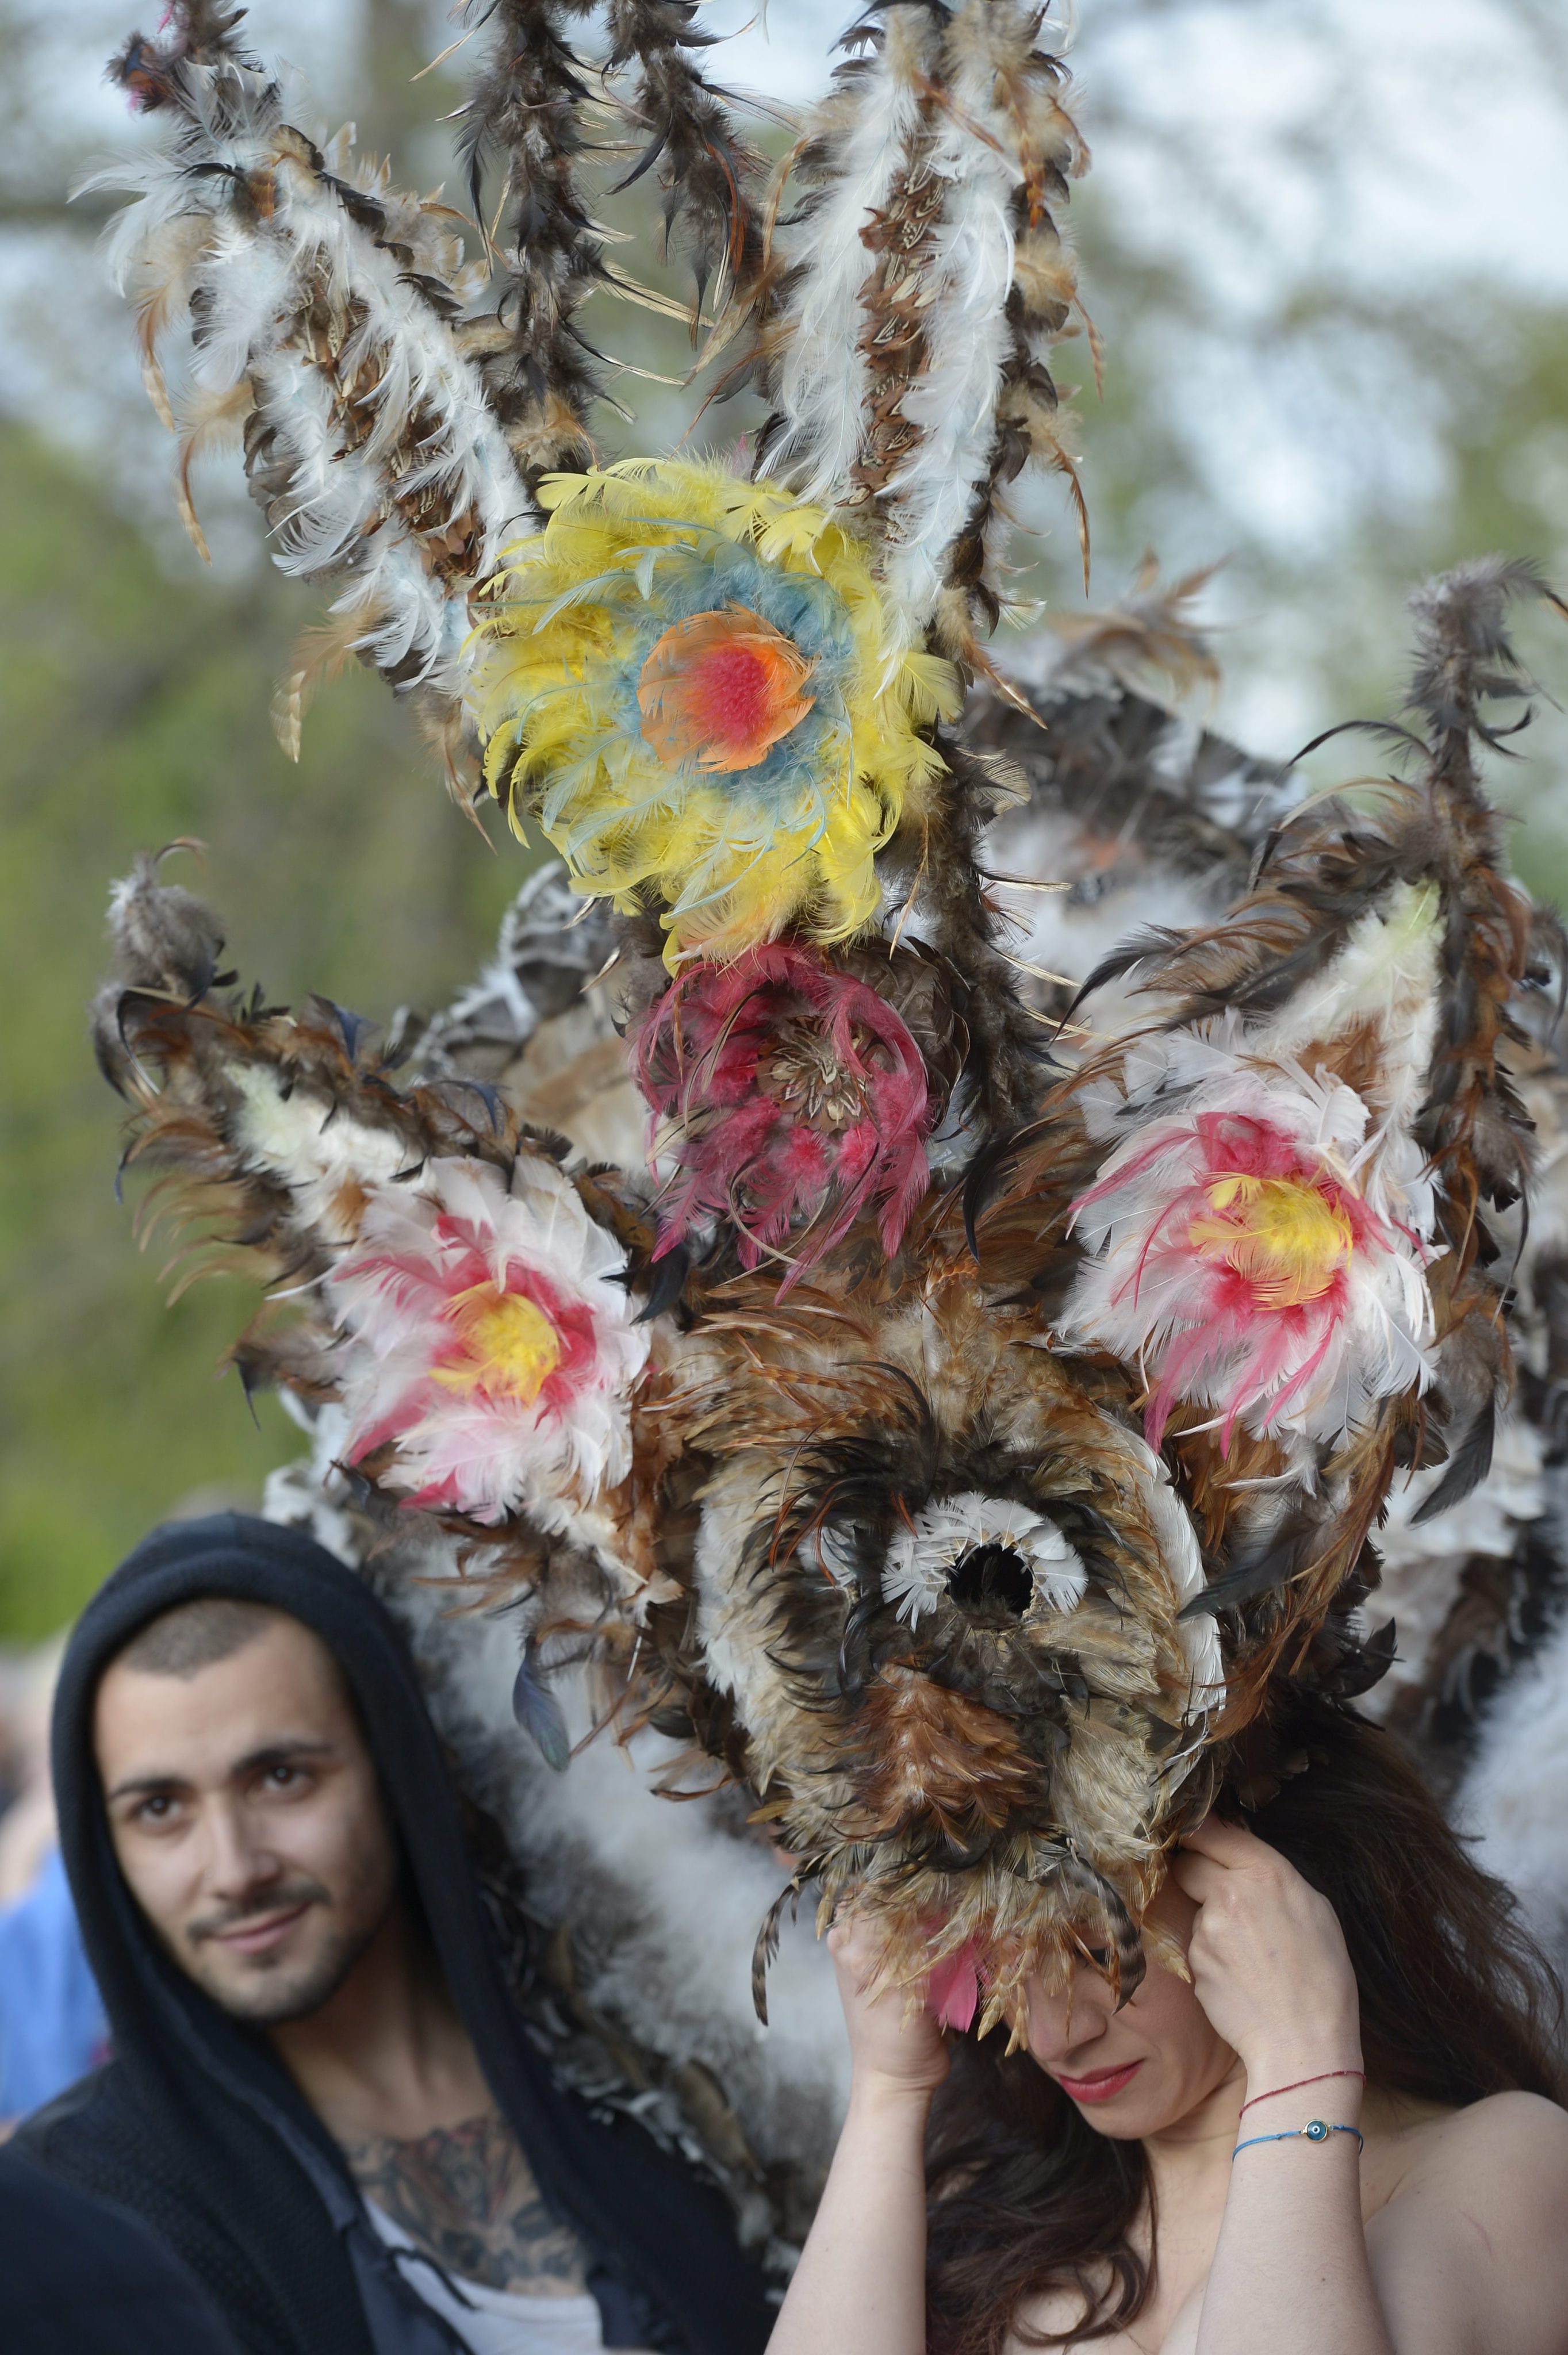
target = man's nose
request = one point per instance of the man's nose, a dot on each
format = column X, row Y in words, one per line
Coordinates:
column 237, row 1860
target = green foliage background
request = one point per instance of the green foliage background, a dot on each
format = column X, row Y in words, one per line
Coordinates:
column 136, row 711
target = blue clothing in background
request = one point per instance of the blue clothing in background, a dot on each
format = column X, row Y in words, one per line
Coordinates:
column 52, row 2029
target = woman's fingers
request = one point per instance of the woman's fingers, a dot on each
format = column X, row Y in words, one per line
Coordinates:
column 855, row 1944
column 1224, row 1859
column 1199, row 1876
column 857, row 1953
column 1226, row 1843
column 1268, row 1957
column 891, row 2038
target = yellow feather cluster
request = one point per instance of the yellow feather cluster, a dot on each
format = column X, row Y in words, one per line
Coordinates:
column 731, row 860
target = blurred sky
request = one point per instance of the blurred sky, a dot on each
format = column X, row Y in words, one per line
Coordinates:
column 1460, row 159
column 1458, row 155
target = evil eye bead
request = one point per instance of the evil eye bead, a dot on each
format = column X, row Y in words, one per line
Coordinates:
column 1317, row 2132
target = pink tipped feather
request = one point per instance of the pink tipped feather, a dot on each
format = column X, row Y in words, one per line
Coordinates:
column 795, row 1099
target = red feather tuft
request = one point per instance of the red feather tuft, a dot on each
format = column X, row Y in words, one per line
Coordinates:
column 798, row 1097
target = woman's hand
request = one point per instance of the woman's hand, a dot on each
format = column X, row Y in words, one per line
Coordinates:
column 860, row 2283
column 892, row 2044
column 1267, row 1957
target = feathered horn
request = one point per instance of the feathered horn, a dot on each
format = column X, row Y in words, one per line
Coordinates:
column 1288, row 1234
column 286, row 297
column 927, row 278
column 520, row 138
column 709, row 176
column 1472, row 1123
column 461, row 1303
column 857, row 157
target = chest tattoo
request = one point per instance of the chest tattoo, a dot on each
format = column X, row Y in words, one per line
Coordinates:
column 466, row 2196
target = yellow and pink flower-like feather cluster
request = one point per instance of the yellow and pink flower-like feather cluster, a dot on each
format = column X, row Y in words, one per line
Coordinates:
column 489, row 1338
column 1258, row 1248
column 696, row 687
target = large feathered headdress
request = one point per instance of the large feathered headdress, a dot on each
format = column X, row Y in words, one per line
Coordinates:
column 971, row 1399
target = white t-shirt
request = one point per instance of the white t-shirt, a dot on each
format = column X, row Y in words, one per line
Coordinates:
column 495, row 2321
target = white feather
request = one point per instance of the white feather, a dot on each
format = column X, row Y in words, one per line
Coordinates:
column 822, row 382
column 1199, row 1635
column 968, row 342
column 255, row 277
column 1386, row 975
column 1423, row 1563
column 326, row 1158
column 923, row 1555
column 1512, row 1801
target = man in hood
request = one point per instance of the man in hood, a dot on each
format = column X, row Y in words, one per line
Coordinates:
column 322, row 2097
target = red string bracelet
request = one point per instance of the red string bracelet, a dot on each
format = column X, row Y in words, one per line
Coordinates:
column 1299, row 2082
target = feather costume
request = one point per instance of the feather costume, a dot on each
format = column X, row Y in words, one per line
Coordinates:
column 890, row 1354
column 288, row 300
column 929, row 229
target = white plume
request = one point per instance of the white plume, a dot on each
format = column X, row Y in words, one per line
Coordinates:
column 923, row 1556
column 969, row 336
column 867, row 127
column 304, row 300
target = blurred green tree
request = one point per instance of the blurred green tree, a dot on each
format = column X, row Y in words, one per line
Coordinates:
column 136, row 712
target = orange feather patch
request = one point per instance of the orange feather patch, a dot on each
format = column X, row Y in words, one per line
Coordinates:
column 720, row 689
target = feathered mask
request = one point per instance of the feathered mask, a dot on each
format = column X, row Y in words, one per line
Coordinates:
column 953, row 1423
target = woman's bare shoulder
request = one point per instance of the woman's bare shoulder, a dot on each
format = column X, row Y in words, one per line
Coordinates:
column 1473, row 2231
column 1518, row 2133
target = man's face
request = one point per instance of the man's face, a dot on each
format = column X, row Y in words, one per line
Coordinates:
column 247, row 1820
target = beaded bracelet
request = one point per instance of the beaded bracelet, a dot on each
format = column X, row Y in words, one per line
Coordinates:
column 1297, row 2083
column 1316, row 2131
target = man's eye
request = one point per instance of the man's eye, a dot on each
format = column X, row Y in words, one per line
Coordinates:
column 282, row 1778
column 156, row 1809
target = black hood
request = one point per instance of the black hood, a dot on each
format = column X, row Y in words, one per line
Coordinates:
column 210, row 2091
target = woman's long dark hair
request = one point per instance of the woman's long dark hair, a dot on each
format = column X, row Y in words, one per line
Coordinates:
column 1456, row 2003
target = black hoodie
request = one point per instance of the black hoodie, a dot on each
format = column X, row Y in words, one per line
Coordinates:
column 195, row 2125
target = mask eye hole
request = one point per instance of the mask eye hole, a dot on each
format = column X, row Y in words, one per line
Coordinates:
column 992, row 1583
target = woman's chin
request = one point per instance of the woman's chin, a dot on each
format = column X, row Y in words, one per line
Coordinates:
column 1127, row 2119
column 1145, row 2104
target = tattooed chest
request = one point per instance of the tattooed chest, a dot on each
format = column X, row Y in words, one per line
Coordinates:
column 466, row 2196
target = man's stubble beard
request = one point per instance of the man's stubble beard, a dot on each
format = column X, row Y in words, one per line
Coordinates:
column 269, row 1990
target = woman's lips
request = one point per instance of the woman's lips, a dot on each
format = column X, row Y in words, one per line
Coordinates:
column 1101, row 2085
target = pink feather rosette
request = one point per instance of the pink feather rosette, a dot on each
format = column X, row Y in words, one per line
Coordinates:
column 1257, row 1251
column 489, row 1342
column 792, row 1098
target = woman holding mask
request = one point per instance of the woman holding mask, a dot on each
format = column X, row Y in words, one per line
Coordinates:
column 1341, row 2138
